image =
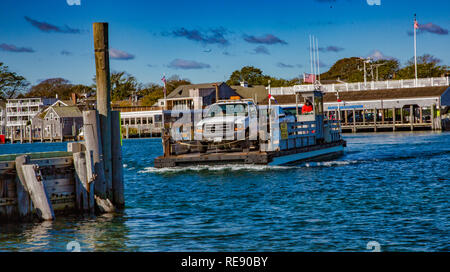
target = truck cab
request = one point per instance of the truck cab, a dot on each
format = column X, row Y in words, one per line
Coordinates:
column 227, row 120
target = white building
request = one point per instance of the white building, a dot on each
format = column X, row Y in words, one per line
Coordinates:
column 20, row 111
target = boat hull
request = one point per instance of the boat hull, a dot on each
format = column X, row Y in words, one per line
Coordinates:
column 285, row 157
column 321, row 154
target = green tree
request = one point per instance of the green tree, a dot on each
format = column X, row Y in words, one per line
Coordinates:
column 51, row 87
column 123, row 85
column 386, row 69
column 346, row 69
column 81, row 89
column 427, row 66
column 152, row 92
column 252, row 75
column 11, row 84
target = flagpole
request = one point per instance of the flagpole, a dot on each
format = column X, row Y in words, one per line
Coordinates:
column 165, row 92
column 314, row 57
column 415, row 50
column 318, row 62
column 310, row 54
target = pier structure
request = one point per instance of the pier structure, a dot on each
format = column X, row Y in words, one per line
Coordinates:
column 386, row 109
column 88, row 178
column 141, row 123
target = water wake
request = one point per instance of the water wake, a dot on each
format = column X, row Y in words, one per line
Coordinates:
column 225, row 167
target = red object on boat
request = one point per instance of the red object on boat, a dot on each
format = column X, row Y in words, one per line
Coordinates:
column 2, row 139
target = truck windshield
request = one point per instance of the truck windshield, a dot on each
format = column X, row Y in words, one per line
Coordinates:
column 228, row 110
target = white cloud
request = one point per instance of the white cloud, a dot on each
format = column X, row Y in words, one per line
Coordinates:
column 73, row 2
column 378, row 55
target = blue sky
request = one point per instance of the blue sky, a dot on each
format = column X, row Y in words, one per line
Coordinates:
column 206, row 40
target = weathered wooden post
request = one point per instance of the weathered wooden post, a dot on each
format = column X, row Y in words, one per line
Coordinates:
column 354, row 121
column 411, row 117
column 101, row 48
column 81, row 181
column 94, row 143
column 433, row 109
column 23, row 198
column 364, row 116
column 394, row 119
column 375, row 113
column 117, row 165
column 401, row 115
column 38, row 194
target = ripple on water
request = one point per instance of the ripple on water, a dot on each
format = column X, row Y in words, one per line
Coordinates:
column 392, row 188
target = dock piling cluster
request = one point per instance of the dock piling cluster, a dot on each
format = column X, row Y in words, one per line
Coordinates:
column 87, row 178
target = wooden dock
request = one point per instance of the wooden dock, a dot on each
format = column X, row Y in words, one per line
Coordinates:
column 88, row 178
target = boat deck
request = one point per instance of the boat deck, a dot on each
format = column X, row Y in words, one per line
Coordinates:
column 251, row 157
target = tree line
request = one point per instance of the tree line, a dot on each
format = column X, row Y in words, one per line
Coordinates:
column 352, row 69
column 124, row 85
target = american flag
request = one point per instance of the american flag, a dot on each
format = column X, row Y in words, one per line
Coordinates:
column 416, row 24
column 309, row 78
column 272, row 98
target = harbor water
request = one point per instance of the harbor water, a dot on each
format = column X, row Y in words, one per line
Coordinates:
column 389, row 188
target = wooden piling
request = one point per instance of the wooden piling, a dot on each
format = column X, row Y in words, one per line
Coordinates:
column 38, row 193
column 364, row 117
column 117, row 165
column 23, row 197
column 94, row 144
column 394, row 119
column 433, row 109
column 101, row 48
column 81, row 181
column 401, row 115
column 91, row 176
column 375, row 115
column 354, row 121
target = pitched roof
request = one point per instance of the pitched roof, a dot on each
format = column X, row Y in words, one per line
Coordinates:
column 255, row 92
column 373, row 94
column 68, row 111
column 183, row 90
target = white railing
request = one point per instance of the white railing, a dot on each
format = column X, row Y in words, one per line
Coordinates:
column 16, row 123
column 24, row 104
column 370, row 85
column 22, row 113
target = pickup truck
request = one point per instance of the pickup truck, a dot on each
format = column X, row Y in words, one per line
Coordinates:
column 231, row 121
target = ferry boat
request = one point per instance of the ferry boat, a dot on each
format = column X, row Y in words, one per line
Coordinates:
column 238, row 131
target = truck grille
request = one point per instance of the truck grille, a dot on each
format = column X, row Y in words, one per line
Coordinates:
column 212, row 128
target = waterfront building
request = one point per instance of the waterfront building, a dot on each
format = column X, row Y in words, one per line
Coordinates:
column 196, row 96
column 19, row 112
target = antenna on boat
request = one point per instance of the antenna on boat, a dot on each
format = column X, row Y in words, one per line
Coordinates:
column 318, row 62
